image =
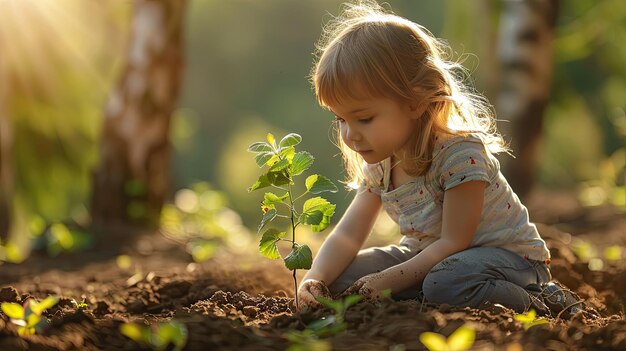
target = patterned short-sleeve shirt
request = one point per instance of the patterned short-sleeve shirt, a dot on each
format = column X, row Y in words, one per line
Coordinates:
column 417, row 206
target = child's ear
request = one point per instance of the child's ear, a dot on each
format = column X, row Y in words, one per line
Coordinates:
column 416, row 109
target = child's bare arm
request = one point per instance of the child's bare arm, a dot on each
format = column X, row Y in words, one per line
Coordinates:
column 462, row 208
column 346, row 239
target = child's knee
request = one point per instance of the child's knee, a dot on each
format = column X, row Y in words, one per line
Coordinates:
column 432, row 286
column 441, row 284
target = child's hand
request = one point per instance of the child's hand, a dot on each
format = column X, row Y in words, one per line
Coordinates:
column 368, row 287
column 309, row 290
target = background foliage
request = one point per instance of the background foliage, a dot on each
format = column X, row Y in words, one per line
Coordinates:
column 246, row 74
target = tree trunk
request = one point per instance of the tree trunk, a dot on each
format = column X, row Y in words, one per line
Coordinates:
column 131, row 183
column 525, row 53
column 6, row 162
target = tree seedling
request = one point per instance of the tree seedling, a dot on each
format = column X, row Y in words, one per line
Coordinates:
column 529, row 319
column 460, row 340
column 28, row 317
column 158, row 336
column 284, row 163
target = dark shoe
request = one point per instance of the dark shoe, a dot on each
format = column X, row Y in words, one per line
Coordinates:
column 536, row 300
column 562, row 302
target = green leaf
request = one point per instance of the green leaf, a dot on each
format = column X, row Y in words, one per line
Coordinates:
column 317, row 213
column 271, row 139
column 323, row 323
column 526, row 317
column 334, row 305
column 288, row 153
column 132, row 331
column 272, row 160
column 299, row 258
column 39, row 307
column 290, row 139
column 267, row 245
column 280, row 165
column 351, row 300
column 262, row 158
column 314, row 204
column 434, row 341
column 267, row 217
column 312, row 217
column 260, row 147
column 317, row 184
column 13, row 310
column 23, row 331
column 278, row 178
column 462, row 338
column 272, row 199
column 529, row 320
column 301, row 162
column 262, row 182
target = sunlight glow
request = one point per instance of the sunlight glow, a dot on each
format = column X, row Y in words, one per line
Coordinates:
column 39, row 36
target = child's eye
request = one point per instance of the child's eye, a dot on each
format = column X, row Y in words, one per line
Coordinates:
column 366, row 120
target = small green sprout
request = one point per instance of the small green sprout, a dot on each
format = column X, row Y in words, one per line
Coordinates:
column 529, row 319
column 79, row 305
column 284, row 163
column 28, row 317
column 335, row 324
column 309, row 338
column 460, row 340
column 158, row 336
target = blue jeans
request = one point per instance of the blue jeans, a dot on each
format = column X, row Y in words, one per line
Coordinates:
column 468, row 278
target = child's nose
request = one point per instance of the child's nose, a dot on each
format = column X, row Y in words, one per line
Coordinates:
column 352, row 134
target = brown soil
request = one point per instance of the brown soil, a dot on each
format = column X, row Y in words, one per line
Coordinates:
column 236, row 302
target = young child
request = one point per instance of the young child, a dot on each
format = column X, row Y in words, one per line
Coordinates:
column 421, row 146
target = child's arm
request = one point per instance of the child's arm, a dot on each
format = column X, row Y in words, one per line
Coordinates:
column 462, row 207
column 342, row 245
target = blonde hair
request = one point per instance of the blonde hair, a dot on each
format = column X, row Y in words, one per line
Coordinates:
column 367, row 50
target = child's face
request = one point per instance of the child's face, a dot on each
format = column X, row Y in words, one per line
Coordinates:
column 376, row 128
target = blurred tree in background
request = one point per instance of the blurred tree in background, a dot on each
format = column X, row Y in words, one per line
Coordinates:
column 248, row 63
column 526, row 34
column 132, row 180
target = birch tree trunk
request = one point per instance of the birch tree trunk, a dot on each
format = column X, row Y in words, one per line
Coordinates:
column 6, row 161
column 525, row 54
column 131, row 183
